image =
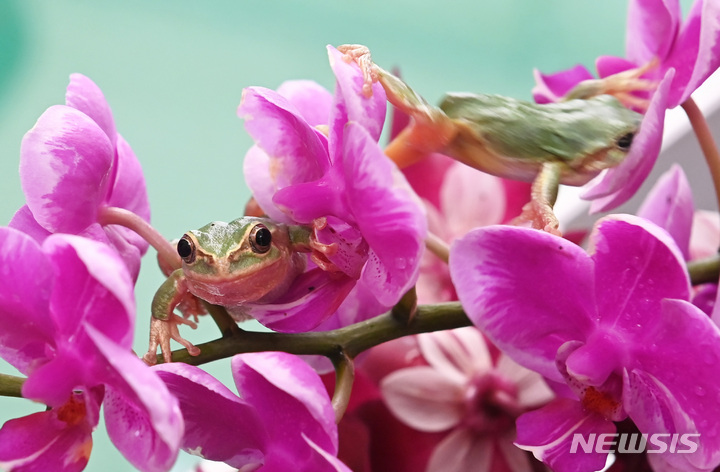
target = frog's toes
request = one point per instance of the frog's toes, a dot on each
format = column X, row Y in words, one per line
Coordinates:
column 361, row 56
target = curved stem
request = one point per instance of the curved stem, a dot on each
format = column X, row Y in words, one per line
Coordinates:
column 11, row 386
column 344, row 378
column 438, row 247
column 704, row 270
column 352, row 340
column 707, row 142
column 128, row 219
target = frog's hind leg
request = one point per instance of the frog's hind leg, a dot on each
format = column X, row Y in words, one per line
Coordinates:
column 430, row 130
column 539, row 210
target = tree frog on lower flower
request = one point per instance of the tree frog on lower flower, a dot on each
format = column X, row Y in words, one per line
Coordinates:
column 247, row 260
column 568, row 142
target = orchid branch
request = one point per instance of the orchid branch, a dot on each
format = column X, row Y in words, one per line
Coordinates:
column 11, row 386
column 706, row 140
column 344, row 378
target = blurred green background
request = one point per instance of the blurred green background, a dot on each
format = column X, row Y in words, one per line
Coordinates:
column 173, row 72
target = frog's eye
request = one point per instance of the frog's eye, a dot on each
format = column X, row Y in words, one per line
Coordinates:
column 625, row 141
column 186, row 249
column 260, row 239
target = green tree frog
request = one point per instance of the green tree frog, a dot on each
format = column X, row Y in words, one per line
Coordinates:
column 568, row 142
column 247, row 260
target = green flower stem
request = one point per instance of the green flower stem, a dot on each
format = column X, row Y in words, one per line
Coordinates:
column 707, row 143
column 10, row 385
column 344, row 378
column 705, row 270
column 128, row 219
column 350, row 340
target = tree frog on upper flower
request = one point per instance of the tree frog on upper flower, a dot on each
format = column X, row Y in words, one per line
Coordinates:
column 247, row 260
column 568, row 142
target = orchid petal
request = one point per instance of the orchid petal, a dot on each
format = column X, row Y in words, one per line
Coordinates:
column 291, row 401
column 312, row 298
column 24, row 221
column 646, row 39
column 387, row 215
column 64, row 155
column 427, row 176
column 616, row 185
column 258, row 177
column 457, row 354
column 311, row 100
column 462, row 451
column 368, row 112
column 705, row 234
column 675, row 392
column 27, row 327
column 550, row 88
column 211, row 411
column 471, row 199
column 143, row 419
column 637, row 264
column 610, row 65
column 424, row 398
column 533, row 391
column 669, row 204
column 84, row 95
column 298, row 152
column 43, row 442
column 323, row 461
column 92, row 287
column 549, row 431
column 497, row 269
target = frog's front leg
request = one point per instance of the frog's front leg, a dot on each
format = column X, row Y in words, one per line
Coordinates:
column 430, row 129
column 164, row 323
column 539, row 210
column 621, row 85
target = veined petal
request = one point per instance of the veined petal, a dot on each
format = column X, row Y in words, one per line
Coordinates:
column 313, row 297
column 669, row 204
column 92, row 287
column 616, row 185
column 65, row 160
column 389, row 217
column 43, row 442
column 550, row 88
column 550, row 431
column 298, row 152
column 218, row 424
column 637, row 264
column 310, row 99
column 673, row 385
column 84, row 95
column 142, row 418
column 424, row 398
column 529, row 291
column 462, row 451
column 27, row 275
column 696, row 51
column 458, row 354
column 350, row 101
column 651, row 29
column 291, row 401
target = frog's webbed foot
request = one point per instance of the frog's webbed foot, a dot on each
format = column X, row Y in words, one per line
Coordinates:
column 539, row 210
column 540, row 215
column 621, row 85
column 320, row 252
column 361, row 56
column 161, row 332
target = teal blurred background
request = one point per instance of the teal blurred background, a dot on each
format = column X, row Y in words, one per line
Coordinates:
column 173, row 72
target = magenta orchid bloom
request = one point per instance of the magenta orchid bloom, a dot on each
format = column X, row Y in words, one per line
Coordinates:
column 282, row 420
column 687, row 53
column 67, row 313
column 73, row 164
column 614, row 325
column 317, row 162
column 469, row 396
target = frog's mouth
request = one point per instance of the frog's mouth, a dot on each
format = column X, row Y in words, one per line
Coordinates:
column 230, row 289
